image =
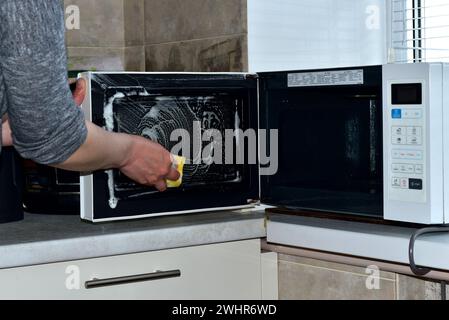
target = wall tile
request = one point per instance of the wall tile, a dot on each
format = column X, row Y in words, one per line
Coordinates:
column 308, row 279
column 134, row 16
column 102, row 24
column 176, row 20
column 208, row 55
column 107, row 59
column 335, row 266
column 410, row 288
column 134, row 58
column 270, row 272
column 447, row 290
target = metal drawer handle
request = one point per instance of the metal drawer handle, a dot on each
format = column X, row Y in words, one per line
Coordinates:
column 158, row 275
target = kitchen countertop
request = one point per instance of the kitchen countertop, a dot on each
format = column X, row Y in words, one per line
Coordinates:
column 40, row 239
column 372, row 241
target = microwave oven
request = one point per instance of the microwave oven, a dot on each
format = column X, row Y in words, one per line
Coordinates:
column 361, row 141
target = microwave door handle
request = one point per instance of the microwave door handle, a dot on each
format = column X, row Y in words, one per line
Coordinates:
column 158, row 275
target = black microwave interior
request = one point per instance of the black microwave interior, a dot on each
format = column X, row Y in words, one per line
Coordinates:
column 330, row 145
column 153, row 106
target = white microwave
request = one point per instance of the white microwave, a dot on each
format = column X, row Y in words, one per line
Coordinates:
column 360, row 141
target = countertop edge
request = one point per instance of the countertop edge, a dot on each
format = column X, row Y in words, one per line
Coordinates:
column 64, row 250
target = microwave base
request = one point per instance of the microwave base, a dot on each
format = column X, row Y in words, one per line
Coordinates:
column 164, row 214
column 340, row 217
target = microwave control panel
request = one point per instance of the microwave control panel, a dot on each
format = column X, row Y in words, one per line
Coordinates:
column 407, row 146
column 415, row 100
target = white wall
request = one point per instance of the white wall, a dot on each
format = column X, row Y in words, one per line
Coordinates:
column 306, row 34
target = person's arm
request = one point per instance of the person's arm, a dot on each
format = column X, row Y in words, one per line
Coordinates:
column 140, row 159
column 144, row 161
column 46, row 125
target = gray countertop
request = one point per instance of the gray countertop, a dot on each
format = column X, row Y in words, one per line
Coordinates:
column 43, row 239
column 40, row 239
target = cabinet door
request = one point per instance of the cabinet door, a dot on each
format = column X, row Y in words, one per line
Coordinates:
column 220, row 271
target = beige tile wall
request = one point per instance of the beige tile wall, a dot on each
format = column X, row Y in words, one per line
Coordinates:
column 196, row 35
column 410, row 288
column 111, row 36
column 227, row 53
column 308, row 279
column 179, row 20
column 159, row 35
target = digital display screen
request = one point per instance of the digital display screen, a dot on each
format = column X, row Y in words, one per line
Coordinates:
column 406, row 93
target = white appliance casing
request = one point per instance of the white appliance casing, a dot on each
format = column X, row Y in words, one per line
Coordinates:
column 431, row 204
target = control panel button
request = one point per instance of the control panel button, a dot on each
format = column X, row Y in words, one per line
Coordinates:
column 414, row 131
column 400, row 131
column 396, row 113
column 416, row 184
column 407, row 154
column 404, row 183
column 412, row 114
column 399, row 140
column 419, row 169
column 396, row 182
column 414, row 140
column 403, row 168
column 396, row 168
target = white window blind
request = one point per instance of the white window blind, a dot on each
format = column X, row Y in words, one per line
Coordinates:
column 313, row 34
column 419, row 31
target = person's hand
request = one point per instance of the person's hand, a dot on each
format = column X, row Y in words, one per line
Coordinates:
column 148, row 163
column 6, row 132
column 80, row 91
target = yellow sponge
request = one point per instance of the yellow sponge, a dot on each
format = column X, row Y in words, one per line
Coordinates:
column 178, row 164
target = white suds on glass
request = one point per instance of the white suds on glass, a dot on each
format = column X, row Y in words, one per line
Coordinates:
column 108, row 115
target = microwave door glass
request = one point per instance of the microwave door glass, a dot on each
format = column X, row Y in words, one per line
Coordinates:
column 176, row 111
column 330, row 149
column 157, row 116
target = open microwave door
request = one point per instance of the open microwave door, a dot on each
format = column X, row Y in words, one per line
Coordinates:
column 330, row 140
column 174, row 110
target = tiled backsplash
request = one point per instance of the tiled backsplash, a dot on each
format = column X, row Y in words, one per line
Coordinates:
column 181, row 20
column 309, row 279
column 111, row 36
column 215, row 54
column 159, row 35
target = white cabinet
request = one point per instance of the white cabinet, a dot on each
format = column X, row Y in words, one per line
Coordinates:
column 219, row 271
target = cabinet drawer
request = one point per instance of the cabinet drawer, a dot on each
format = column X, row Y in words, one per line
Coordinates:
column 220, row 271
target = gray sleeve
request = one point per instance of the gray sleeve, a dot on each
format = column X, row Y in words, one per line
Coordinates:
column 47, row 126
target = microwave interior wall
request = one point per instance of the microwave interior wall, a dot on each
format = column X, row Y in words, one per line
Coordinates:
column 330, row 145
